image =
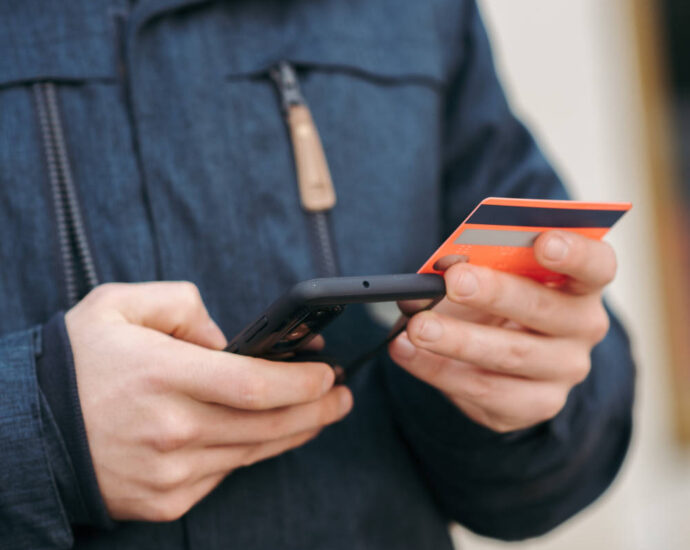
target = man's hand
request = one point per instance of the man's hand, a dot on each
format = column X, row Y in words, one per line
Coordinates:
column 505, row 349
column 168, row 415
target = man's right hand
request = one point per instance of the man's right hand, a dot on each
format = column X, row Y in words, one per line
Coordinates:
column 167, row 413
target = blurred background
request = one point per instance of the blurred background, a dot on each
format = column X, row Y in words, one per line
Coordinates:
column 604, row 86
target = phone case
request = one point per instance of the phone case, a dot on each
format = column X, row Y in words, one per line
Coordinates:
column 305, row 310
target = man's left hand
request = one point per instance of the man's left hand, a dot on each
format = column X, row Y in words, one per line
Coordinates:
column 506, row 349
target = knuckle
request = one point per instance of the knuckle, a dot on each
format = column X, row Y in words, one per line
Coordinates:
column 189, row 293
column 462, row 344
column 153, row 375
column 187, row 431
column 516, row 355
column 169, row 475
column 435, row 370
column 155, row 379
column 276, row 427
column 251, row 391
column 478, row 387
column 539, row 305
column 166, row 442
column 103, row 293
column 173, row 432
column 153, row 382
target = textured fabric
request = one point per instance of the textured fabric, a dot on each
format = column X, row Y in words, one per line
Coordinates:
column 184, row 170
column 58, row 383
column 31, row 514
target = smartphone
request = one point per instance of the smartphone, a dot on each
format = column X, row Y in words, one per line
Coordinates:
column 308, row 307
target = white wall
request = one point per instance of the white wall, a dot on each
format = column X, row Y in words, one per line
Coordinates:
column 570, row 71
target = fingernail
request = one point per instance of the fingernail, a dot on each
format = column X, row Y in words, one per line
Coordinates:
column 404, row 348
column 467, row 284
column 430, row 330
column 556, row 249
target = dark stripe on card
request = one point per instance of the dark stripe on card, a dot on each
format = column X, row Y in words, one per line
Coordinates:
column 497, row 237
column 492, row 214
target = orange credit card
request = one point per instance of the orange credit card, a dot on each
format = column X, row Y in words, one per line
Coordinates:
column 500, row 233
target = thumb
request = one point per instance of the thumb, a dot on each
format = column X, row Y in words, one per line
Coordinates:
column 410, row 307
column 172, row 307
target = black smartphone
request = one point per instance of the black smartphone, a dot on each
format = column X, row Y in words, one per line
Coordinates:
column 305, row 310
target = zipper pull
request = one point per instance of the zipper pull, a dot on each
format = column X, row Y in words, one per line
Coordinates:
column 316, row 190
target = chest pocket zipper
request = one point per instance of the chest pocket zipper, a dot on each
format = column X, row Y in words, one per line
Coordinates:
column 78, row 266
column 316, row 191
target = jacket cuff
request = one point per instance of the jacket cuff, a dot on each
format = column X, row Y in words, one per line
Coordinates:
column 64, row 427
column 30, row 506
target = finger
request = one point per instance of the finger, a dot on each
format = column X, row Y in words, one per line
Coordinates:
column 590, row 263
column 523, row 300
column 410, row 307
column 242, row 382
column 315, row 344
column 502, row 350
column 499, row 401
column 257, row 453
column 442, row 264
column 220, row 425
column 225, row 459
column 175, row 308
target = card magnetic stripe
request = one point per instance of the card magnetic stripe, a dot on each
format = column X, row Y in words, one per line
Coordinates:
column 497, row 237
column 491, row 214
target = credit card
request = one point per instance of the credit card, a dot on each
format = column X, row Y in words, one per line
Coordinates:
column 500, row 233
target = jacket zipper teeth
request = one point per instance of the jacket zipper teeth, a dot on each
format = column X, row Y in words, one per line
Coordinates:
column 65, row 201
column 314, row 181
column 322, row 234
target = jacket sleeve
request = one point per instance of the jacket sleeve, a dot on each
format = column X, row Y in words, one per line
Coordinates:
column 31, row 511
column 517, row 485
column 41, row 492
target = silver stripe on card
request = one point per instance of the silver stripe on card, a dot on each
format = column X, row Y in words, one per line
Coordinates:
column 497, row 237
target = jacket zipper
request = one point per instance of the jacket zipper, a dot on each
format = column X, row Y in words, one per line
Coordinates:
column 78, row 266
column 316, row 191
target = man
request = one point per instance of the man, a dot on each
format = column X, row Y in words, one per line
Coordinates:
column 146, row 142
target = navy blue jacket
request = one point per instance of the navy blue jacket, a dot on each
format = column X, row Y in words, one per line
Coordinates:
column 157, row 133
